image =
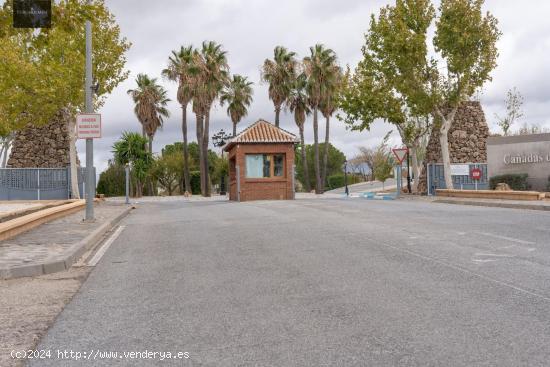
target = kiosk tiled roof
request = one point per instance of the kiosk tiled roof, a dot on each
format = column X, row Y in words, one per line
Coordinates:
column 262, row 132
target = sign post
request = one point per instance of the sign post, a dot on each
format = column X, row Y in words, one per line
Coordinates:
column 400, row 154
column 476, row 174
column 89, row 90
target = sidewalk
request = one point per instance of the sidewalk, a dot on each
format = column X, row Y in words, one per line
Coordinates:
column 496, row 203
column 56, row 245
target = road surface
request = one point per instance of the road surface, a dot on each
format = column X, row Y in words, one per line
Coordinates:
column 339, row 282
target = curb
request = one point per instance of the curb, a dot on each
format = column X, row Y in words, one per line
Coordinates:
column 495, row 205
column 71, row 255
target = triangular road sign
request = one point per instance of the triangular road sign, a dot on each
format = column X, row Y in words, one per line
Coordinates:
column 400, row 154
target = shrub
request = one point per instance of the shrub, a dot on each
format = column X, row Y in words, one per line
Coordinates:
column 336, row 181
column 517, row 182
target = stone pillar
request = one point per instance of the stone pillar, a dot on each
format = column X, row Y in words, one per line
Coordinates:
column 467, row 140
column 43, row 147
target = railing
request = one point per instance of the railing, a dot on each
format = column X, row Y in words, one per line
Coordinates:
column 37, row 183
column 436, row 178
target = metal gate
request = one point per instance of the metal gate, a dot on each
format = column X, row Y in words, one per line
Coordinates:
column 436, row 178
column 38, row 183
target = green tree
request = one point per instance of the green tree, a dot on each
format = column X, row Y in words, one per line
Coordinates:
column 383, row 166
column 41, row 70
column 399, row 82
column 166, row 170
column 335, row 164
column 180, row 70
column 238, row 96
column 320, row 70
column 298, row 105
column 130, row 149
column 112, row 181
column 513, row 103
column 279, row 73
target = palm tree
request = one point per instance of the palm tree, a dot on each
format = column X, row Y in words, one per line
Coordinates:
column 179, row 70
column 238, row 95
column 319, row 68
column 279, row 73
column 210, row 73
column 150, row 109
column 298, row 104
column 328, row 106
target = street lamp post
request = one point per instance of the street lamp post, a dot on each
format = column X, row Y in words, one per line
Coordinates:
column 409, row 171
column 346, row 176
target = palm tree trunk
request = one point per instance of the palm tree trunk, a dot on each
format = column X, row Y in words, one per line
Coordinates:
column 75, row 191
column 307, row 185
column 199, row 143
column 277, row 114
column 318, row 189
column 234, row 129
column 325, row 153
column 150, row 189
column 186, row 176
column 205, row 140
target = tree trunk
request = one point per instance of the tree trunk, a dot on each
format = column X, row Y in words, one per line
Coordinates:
column 318, row 189
column 205, row 141
column 199, row 143
column 75, row 192
column 415, row 167
column 186, row 176
column 307, row 184
column 277, row 114
column 234, row 129
column 446, row 123
column 150, row 188
column 5, row 149
column 325, row 153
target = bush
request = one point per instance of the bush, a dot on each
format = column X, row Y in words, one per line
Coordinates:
column 517, row 182
column 195, row 182
column 336, row 181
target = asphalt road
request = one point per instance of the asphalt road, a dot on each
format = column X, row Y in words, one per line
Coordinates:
column 340, row 282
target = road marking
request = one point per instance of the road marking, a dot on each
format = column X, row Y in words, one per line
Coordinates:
column 494, row 255
column 466, row 271
column 99, row 254
column 507, row 238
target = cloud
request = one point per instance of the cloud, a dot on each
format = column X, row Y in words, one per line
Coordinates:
column 250, row 29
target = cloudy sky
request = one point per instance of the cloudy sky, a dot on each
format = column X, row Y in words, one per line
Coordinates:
column 250, row 29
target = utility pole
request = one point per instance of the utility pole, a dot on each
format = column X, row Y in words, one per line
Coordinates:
column 90, row 187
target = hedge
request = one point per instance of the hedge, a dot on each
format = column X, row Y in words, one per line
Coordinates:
column 336, row 181
column 517, row 182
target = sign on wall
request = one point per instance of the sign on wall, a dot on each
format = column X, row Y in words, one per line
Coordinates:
column 460, row 169
column 88, row 126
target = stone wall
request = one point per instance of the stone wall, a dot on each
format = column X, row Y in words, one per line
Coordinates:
column 467, row 140
column 43, row 147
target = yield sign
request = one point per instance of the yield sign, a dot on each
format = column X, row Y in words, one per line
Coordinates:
column 400, row 154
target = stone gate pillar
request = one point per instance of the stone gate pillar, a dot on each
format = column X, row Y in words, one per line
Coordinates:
column 467, row 140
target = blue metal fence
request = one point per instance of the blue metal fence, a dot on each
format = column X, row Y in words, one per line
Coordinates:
column 436, row 178
column 38, row 183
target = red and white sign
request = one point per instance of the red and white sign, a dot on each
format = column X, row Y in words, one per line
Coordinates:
column 400, row 154
column 88, row 126
column 476, row 174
